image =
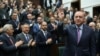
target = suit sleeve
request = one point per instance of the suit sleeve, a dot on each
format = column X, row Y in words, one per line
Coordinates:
column 39, row 42
column 7, row 48
column 93, row 44
column 22, row 46
column 51, row 30
column 98, row 42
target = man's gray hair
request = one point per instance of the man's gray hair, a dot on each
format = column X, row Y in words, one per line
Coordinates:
column 6, row 27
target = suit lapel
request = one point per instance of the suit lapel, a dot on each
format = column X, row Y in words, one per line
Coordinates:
column 83, row 33
column 7, row 38
column 43, row 35
column 23, row 37
column 74, row 33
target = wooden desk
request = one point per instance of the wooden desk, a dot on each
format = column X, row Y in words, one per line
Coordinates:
column 55, row 50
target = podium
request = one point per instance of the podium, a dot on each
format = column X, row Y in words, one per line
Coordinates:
column 55, row 51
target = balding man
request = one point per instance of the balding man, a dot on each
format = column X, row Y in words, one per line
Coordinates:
column 80, row 40
column 97, row 35
column 43, row 41
column 92, row 25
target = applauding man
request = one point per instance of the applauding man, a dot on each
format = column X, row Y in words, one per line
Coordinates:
column 24, row 50
column 43, row 41
column 9, row 46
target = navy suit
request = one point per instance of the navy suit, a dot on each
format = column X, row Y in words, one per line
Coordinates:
column 41, row 47
column 16, row 31
column 98, row 41
column 58, row 4
column 36, row 29
column 86, row 45
column 8, row 49
column 53, row 32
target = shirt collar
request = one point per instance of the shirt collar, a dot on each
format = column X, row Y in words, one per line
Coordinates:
column 24, row 34
column 81, row 27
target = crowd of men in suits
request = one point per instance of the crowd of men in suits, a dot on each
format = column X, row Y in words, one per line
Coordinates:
column 25, row 26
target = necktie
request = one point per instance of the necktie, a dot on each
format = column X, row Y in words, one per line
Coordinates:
column 45, row 34
column 27, row 37
column 11, row 40
column 16, row 22
column 78, row 35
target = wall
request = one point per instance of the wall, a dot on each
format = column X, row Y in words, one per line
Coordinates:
column 87, row 3
column 90, row 10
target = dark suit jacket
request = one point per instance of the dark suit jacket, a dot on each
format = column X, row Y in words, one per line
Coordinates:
column 24, row 50
column 58, row 4
column 86, row 45
column 89, row 19
column 53, row 32
column 98, row 40
column 8, row 49
column 50, row 2
column 2, row 13
column 16, row 31
column 41, row 47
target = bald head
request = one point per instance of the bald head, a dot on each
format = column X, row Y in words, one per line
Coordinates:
column 44, row 26
column 92, row 25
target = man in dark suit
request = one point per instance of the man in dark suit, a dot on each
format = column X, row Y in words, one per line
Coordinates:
column 24, row 50
column 97, row 32
column 52, row 28
column 4, row 16
column 80, row 40
column 36, row 26
column 30, row 20
column 15, row 23
column 9, row 47
column 47, row 4
column 43, row 41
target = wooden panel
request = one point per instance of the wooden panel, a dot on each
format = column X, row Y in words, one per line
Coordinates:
column 36, row 2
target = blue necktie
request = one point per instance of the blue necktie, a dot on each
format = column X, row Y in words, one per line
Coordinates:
column 27, row 37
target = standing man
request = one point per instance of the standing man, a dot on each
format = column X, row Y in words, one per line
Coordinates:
column 48, row 4
column 52, row 28
column 80, row 40
column 43, row 41
column 24, row 50
column 37, row 26
column 9, row 46
column 15, row 23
